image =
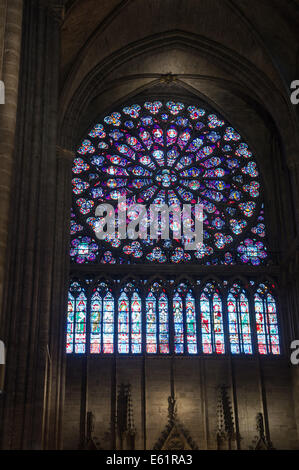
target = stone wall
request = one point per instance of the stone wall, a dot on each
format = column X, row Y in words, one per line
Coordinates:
column 195, row 383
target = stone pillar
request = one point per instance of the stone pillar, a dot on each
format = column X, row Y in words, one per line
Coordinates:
column 293, row 165
column 10, row 49
column 34, row 295
column 61, row 268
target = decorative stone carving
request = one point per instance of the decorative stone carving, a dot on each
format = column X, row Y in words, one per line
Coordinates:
column 226, row 430
column 168, row 78
column 125, row 419
column 174, row 436
column 260, row 442
column 91, row 440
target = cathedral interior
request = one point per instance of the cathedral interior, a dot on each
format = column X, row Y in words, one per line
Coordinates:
column 139, row 343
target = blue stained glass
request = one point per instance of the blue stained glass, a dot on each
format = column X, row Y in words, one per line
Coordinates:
column 212, row 321
column 174, row 153
column 96, row 310
column 191, row 324
column 163, row 324
column 108, row 324
column 76, row 320
column 96, row 323
column 151, row 324
column 178, row 324
column 266, row 321
column 238, row 321
column 136, row 322
column 123, row 324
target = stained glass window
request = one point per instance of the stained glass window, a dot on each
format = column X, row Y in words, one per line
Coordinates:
column 151, row 324
column 136, row 321
column 167, row 153
column 163, row 324
column 102, row 320
column 76, row 320
column 178, row 319
column 129, row 321
column 212, row 320
column 170, row 153
column 191, row 329
column 184, row 314
column 266, row 321
column 239, row 321
column 193, row 325
column 123, row 324
column 96, row 324
column 108, row 324
column 157, row 321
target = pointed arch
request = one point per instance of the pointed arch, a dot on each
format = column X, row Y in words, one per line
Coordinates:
column 102, row 318
column 129, row 337
column 212, row 327
column 76, row 319
column 157, row 320
column 265, row 307
column 239, row 320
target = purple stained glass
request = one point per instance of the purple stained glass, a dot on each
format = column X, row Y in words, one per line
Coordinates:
column 212, row 320
column 136, row 321
column 76, row 320
column 91, row 310
column 178, row 320
column 163, row 324
column 108, row 324
column 239, row 321
column 151, row 324
column 266, row 321
column 191, row 330
column 123, row 324
column 169, row 153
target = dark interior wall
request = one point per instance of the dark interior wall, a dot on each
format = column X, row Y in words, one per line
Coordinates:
column 196, row 389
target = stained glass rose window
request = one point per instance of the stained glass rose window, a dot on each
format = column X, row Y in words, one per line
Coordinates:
column 168, row 153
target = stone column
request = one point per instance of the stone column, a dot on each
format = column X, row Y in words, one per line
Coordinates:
column 292, row 283
column 34, row 295
column 10, row 49
column 61, row 268
column 293, row 165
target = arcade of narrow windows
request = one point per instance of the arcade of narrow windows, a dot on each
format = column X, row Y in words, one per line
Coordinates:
column 138, row 318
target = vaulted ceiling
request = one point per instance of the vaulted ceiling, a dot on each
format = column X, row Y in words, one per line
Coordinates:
column 84, row 19
column 239, row 55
